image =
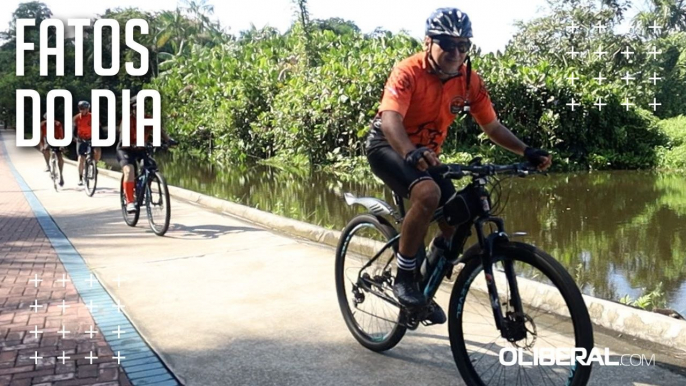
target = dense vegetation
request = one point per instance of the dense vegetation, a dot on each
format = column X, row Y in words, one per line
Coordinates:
column 306, row 96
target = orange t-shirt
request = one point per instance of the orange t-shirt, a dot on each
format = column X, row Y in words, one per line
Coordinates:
column 83, row 125
column 133, row 132
column 59, row 131
column 428, row 106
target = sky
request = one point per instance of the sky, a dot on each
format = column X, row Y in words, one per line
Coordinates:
column 492, row 20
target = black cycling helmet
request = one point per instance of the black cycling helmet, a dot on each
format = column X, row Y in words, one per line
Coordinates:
column 84, row 105
column 449, row 22
column 453, row 23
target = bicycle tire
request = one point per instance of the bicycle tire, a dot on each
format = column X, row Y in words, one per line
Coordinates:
column 364, row 338
column 555, row 272
column 54, row 172
column 159, row 229
column 90, row 177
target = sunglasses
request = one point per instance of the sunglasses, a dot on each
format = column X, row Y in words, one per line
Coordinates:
column 450, row 45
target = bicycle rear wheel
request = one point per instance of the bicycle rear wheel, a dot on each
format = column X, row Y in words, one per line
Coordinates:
column 375, row 322
column 554, row 316
column 90, row 177
column 131, row 219
column 157, row 204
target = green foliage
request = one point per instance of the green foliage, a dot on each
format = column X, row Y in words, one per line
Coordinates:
column 324, row 111
column 170, row 34
column 530, row 87
column 673, row 154
column 306, row 97
column 336, row 25
column 648, row 301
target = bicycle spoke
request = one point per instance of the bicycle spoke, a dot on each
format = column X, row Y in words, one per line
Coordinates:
column 485, row 351
column 372, row 316
column 543, row 326
column 544, row 370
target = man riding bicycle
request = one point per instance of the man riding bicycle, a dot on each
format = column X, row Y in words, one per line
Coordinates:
column 45, row 148
column 129, row 155
column 82, row 133
column 423, row 95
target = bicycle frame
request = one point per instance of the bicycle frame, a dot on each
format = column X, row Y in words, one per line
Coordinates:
column 454, row 255
column 54, row 167
column 53, row 156
column 89, row 152
column 147, row 166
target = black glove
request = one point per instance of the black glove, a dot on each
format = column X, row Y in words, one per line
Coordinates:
column 413, row 157
column 534, row 155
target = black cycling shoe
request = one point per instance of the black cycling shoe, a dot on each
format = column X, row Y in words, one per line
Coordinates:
column 437, row 316
column 408, row 293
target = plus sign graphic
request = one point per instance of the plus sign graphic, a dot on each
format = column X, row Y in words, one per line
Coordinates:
column 632, row 78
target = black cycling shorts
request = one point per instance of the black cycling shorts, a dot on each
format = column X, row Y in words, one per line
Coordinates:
column 391, row 168
column 53, row 148
column 128, row 156
column 82, row 147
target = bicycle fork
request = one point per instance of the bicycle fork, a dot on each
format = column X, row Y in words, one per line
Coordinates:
column 506, row 324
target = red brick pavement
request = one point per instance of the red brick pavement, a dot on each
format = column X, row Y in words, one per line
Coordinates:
column 25, row 252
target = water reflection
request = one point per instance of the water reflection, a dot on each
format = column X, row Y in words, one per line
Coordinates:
column 618, row 233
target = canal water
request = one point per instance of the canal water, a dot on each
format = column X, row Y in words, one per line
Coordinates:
column 618, row 233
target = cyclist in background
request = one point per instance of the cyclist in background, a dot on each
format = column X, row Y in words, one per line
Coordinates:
column 45, row 148
column 129, row 155
column 83, row 132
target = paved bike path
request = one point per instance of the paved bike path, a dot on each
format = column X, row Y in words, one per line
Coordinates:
column 226, row 302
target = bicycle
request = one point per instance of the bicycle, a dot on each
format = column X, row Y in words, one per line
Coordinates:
column 365, row 277
column 53, row 165
column 90, row 170
column 150, row 190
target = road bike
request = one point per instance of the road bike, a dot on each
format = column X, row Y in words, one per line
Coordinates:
column 90, row 170
column 53, row 165
column 151, row 192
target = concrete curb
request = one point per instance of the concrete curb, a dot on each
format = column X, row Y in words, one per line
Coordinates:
column 617, row 317
column 642, row 324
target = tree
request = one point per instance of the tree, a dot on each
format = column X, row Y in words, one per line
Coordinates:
column 336, row 25
column 9, row 82
column 31, row 10
column 668, row 14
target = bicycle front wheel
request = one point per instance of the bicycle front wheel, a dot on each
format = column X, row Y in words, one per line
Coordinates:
column 554, row 318
column 54, row 172
column 363, row 292
column 90, row 176
column 157, row 204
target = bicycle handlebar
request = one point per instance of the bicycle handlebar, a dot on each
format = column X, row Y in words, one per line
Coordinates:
column 457, row 171
column 164, row 145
